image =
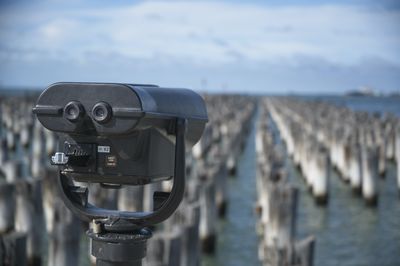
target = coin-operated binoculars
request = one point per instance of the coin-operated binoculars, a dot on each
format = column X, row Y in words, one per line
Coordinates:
column 121, row 134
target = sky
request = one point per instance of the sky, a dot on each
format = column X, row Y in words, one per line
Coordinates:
column 230, row 46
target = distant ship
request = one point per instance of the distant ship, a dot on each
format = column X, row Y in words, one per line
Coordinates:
column 362, row 92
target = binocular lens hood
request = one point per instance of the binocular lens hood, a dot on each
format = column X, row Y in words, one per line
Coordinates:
column 106, row 109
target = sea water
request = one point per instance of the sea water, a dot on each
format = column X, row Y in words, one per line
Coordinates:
column 347, row 231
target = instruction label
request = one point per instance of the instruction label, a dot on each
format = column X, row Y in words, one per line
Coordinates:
column 103, row 149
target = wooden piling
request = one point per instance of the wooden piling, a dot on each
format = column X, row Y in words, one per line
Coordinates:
column 155, row 250
column 65, row 237
column 321, row 180
column 370, row 173
column 304, row 255
column 355, row 168
column 49, row 193
column 190, row 239
column 25, row 137
column 397, row 155
column 7, row 206
column 103, row 197
column 13, row 249
column 382, row 147
column 219, row 173
column 28, row 217
column 130, row 198
column 11, row 145
column 207, row 228
column 3, row 151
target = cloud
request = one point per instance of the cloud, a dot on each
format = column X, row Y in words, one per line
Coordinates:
column 199, row 35
column 196, row 30
column 311, row 75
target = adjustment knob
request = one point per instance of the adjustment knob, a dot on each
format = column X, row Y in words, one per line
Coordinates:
column 59, row 158
column 73, row 111
column 102, row 112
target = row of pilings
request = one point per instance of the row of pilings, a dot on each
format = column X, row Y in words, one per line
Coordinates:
column 356, row 144
column 209, row 164
column 37, row 229
column 277, row 202
column 30, row 206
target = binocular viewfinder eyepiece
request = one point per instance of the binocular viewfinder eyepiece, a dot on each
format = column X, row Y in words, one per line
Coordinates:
column 102, row 112
column 73, row 111
column 119, row 133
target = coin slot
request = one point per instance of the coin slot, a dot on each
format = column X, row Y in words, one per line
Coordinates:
column 111, row 161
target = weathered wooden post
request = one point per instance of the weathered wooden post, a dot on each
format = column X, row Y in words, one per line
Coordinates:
column 382, row 147
column 11, row 171
column 13, row 249
column 63, row 228
column 355, row 168
column 3, row 151
column 50, row 142
column 370, row 172
column 148, row 192
column 219, row 173
column 25, row 137
column 37, row 168
column 201, row 147
column 174, row 245
column 102, row 197
column 11, row 145
column 397, row 154
column 282, row 215
column 208, row 217
column 130, row 198
column 321, row 180
column 49, row 193
column 155, row 250
column 390, row 134
column 28, row 217
column 190, row 239
column 165, row 249
column 304, row 252
column 231, row 164
column 65, row 237
column 7, row 206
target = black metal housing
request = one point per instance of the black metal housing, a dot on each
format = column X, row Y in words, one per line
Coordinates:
column 119, row 133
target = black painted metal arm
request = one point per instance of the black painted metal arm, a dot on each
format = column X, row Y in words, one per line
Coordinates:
column 76, row 198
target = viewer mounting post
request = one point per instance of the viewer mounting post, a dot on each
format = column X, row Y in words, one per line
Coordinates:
column 125, row 135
